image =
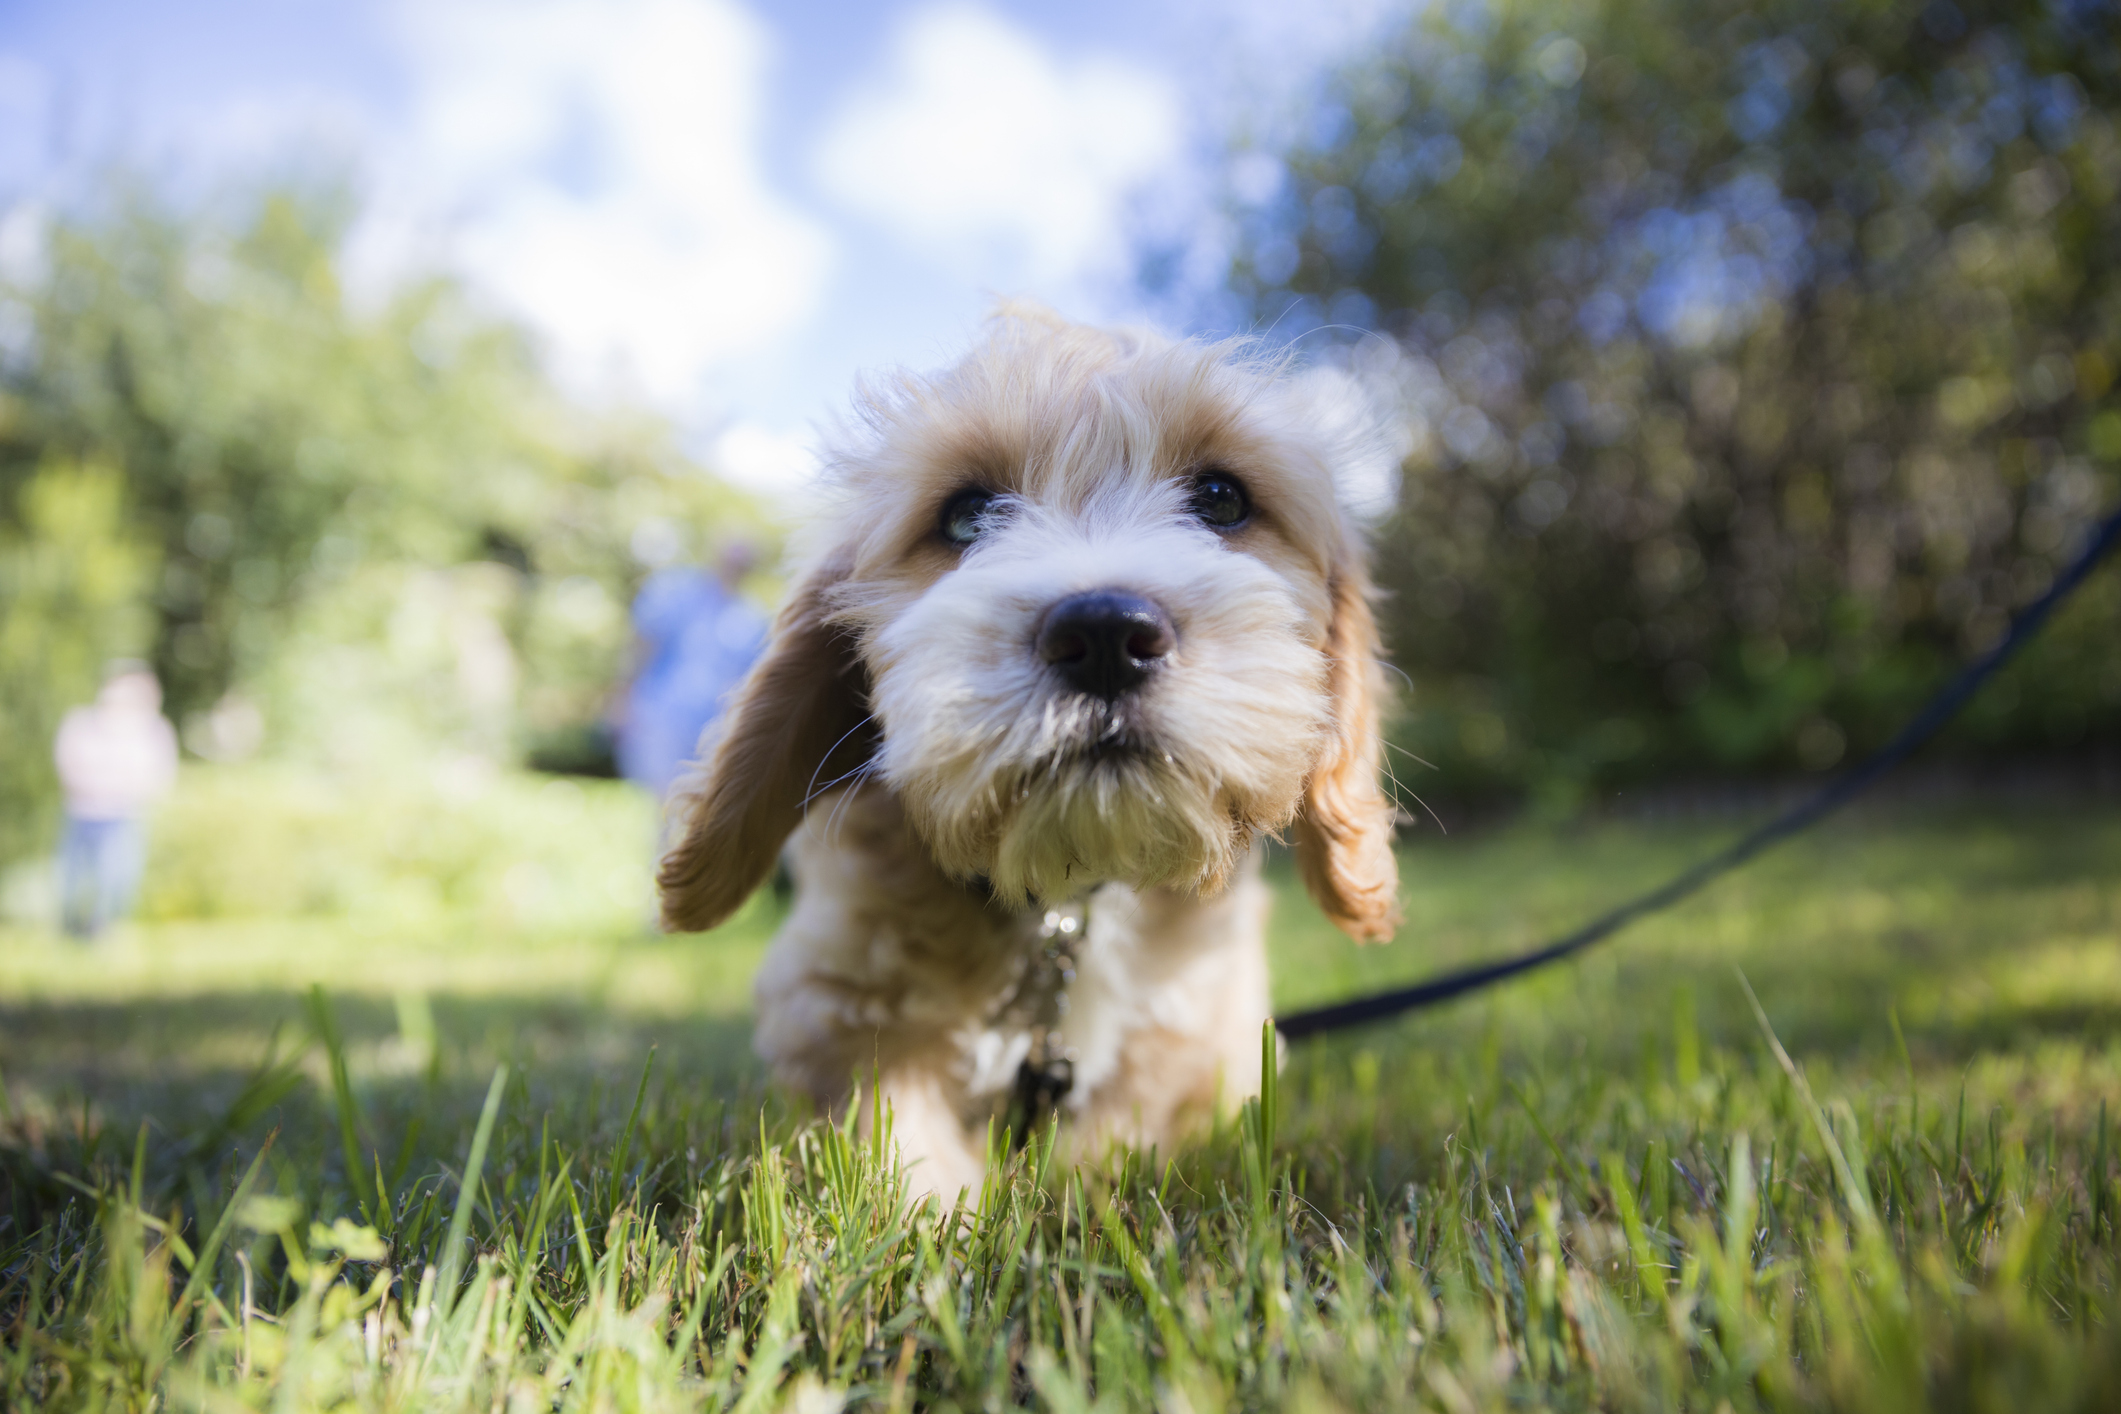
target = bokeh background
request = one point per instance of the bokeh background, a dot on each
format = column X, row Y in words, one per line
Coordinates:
column 1721, row 376
column 1733, row 371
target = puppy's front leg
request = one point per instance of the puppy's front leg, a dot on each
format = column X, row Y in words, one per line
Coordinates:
column 883, row 967
column 840, row 1043
column 1171, row 997
column 940, row 1155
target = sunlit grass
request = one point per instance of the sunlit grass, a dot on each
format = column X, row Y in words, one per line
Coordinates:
column 1597, row 1188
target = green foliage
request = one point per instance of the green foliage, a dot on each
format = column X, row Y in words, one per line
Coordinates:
column 375, row 521
column 279, row 841
column 71, row 584
column 1603, row 1189
column 246, row 406
column 1758, row 359
column 448, row 879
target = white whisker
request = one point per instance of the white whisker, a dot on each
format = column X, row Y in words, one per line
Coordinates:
column 1395, row 746
column 812, row 791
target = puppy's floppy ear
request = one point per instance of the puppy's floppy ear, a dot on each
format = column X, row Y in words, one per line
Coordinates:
column 1344, row 830
column 797, row 723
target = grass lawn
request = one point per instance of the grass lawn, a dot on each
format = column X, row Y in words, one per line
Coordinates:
column 362, row 1113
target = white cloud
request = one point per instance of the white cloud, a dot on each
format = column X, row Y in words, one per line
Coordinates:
column 22, row 250
column 981, row 146
column 768, row 460
column 593, row 164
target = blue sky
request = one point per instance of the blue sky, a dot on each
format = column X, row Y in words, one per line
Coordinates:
column 725, row 209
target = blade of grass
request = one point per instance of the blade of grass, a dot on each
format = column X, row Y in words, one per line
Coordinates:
column 1855, row 1190
column 633, row 1117
column 269, row 1084
column 327, row 1028
column 139, row 1164
column 1649, row 1272
column 1570, row 1169
column 202, row 1265
column 467, row 1196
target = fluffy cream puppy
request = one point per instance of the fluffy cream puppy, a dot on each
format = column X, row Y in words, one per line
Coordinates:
column 1089, row 623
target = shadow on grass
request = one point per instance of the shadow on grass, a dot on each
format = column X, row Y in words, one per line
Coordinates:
column 1989, row 939
column 86, row 1076
column 197, row 1087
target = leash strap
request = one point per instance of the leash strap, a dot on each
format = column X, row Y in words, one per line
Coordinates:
column 1806, row 813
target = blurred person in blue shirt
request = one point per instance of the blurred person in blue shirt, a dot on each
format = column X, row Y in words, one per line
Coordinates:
column 116, row 757
column 698, row 638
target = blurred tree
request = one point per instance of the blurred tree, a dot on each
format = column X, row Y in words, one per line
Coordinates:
column 72, row 592
column 1756, row 360
column 304, row 484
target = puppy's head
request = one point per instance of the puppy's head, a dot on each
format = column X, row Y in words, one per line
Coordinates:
column 1092, row 612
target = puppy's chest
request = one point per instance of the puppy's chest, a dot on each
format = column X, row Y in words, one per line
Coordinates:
column 1005, row 988
column 1051, row 1025
column 1001, row 969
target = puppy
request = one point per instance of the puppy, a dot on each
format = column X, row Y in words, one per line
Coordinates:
column 1088, row 624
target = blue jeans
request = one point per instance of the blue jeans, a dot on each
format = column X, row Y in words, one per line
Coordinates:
column 99, row 871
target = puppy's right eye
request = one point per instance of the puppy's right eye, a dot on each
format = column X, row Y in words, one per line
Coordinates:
column 965, row 516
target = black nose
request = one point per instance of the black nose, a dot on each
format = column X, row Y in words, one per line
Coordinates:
column 1105, row 642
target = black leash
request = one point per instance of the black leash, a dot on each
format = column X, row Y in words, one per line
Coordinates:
column 1941, row 709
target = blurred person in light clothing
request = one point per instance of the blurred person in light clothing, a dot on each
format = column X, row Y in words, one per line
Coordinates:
column 698, row 638
column 116, row 757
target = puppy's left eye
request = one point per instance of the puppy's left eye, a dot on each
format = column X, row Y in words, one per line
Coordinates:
column 1219, row 500
column 965, row 515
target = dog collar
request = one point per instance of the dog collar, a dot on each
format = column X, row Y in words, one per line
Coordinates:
column 1039, row 1004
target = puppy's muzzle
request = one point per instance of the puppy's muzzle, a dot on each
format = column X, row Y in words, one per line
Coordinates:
column 1105, row 643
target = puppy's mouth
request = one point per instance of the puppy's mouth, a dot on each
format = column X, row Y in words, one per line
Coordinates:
column 1092, row 789
column 1084, row 732
column 1122, row 759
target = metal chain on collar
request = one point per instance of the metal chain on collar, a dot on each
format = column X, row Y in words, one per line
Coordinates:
column 1040, row 1004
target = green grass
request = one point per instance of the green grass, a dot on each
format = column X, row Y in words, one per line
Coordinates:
column 1599, row 1188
